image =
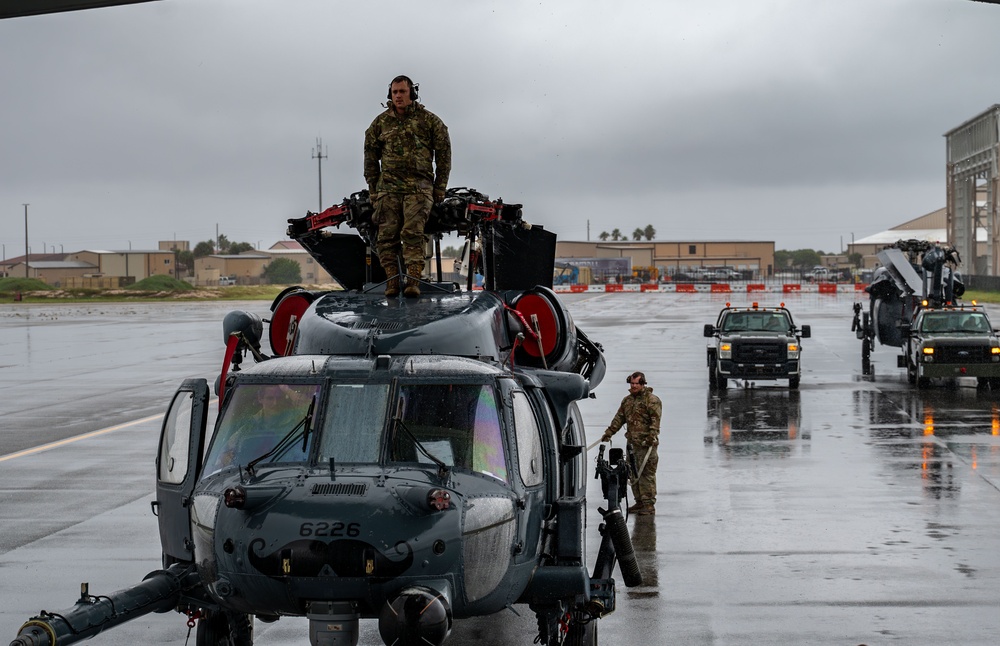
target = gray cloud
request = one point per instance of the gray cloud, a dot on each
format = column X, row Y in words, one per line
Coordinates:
column 799, row 122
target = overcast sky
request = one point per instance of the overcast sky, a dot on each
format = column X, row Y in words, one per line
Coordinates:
column 798, row 121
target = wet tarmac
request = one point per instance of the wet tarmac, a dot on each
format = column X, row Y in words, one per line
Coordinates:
column 856, row 510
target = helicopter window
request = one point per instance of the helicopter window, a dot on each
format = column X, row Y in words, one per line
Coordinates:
column 176, row 440
column 257, row 419
column 352, row 423
column 529, row 444
column 459, row 424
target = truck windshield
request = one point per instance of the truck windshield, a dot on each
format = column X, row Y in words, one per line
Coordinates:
column 459, row 424
column 957, row 322
column 756, row 322
column 255, row 420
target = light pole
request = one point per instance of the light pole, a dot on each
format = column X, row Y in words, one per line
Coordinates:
column 25, row 240
column 318, row 155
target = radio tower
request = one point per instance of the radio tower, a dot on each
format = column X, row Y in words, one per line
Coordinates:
column 318, row 155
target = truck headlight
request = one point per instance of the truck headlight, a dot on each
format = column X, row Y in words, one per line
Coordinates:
column 725, row 351
column 928, row 353
column 793, row 350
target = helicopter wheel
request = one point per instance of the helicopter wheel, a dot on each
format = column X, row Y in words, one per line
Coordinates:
column 582, row 633
column 225, row 629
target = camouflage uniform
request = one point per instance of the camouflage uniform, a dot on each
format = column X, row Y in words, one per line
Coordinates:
column 401, row 153
column 641, row 412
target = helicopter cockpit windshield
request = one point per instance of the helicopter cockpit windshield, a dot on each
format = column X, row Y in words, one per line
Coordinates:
column 257, row 419
column 458, row 424
column 442, row 424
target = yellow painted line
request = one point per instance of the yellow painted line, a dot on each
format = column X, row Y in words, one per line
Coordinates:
column 85, row 436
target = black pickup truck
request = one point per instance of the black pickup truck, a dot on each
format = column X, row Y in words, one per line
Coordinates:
column 951, row 342
column 754, row 343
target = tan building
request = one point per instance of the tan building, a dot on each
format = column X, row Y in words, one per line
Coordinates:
column 248, row 268
column 312, row 273
column 675, row 257
column 59, row 273
column 137, row 264
column 170, row 245
column 82, row 268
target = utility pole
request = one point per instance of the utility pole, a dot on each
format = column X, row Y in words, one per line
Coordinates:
column 318, row 155
column 25, row 240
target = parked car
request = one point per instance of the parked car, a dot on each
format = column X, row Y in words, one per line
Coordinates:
column 726, row 274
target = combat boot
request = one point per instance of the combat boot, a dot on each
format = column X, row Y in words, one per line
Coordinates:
column 392, row 285
column 413, row 273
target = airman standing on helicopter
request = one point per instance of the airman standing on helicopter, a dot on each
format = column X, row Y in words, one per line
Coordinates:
column 403, row 146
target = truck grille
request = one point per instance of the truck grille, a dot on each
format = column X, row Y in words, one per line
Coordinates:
column 962, row 354
column 759, row 352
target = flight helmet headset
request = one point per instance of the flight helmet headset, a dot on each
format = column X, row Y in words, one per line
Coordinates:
column 414, row 88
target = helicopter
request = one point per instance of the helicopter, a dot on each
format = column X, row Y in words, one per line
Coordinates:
column 415, row 461
column 914, row 274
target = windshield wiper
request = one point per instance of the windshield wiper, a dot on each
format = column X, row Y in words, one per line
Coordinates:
column 303, row 428
column 397, row 420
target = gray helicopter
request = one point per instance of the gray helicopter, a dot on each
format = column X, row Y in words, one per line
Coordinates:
column 414, row 461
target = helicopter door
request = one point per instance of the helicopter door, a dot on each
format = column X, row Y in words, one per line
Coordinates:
column 182, row 442
column 531, row 467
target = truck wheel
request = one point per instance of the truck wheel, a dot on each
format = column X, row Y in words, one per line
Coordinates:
column 982, row 383
column 712, row 381
column 923, row 382
column 721, row 381
column 911, row 373
column 793, row 382
column 994, row 383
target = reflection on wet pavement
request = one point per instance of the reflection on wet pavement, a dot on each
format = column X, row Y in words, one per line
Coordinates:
column 754, row 421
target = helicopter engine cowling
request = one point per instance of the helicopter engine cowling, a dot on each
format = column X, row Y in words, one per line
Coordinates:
column 417, row 615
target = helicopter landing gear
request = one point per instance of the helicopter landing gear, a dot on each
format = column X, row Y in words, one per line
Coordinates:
column 224, row 629
column 582, row 631
column 862, row 327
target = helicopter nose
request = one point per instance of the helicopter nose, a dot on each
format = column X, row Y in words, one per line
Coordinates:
column 418, row 615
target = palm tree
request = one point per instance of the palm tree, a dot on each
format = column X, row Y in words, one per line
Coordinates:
column 604, row 235
column 616, row 234
column 637, row 235
column 649, row 232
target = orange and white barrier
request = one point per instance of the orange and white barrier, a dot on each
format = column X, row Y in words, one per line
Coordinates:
column 714, row 288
